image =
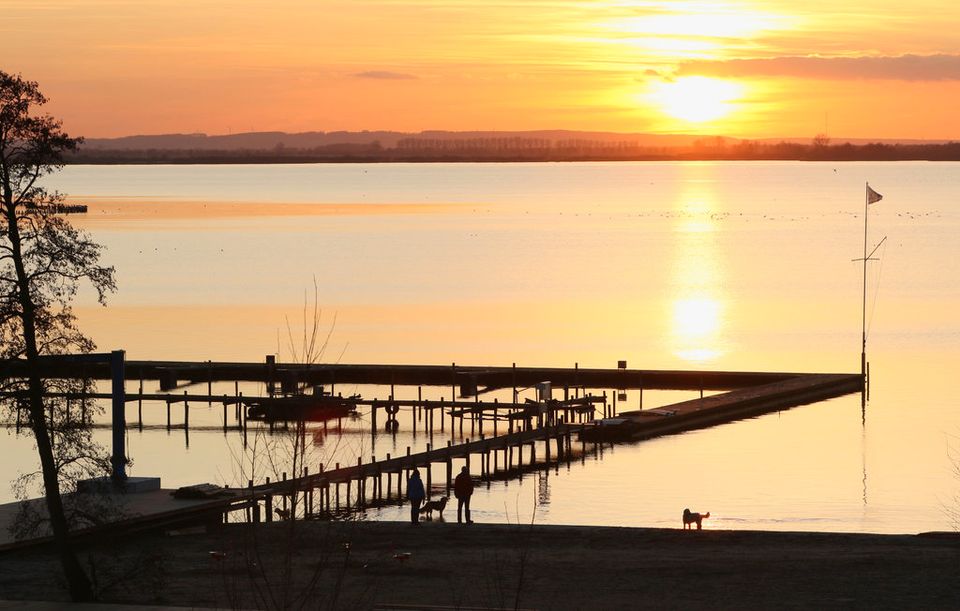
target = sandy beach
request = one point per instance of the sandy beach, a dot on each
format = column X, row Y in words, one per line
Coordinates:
column 364, row 565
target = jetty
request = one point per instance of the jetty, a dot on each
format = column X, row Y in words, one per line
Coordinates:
column 505, row 438
column 320, row 494
column 725, row 407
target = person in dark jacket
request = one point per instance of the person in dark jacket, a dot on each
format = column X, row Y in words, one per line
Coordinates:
column 416, row 494
column 463, row 490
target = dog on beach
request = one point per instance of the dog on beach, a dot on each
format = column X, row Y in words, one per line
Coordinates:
column 430, row 506
column 691, row 517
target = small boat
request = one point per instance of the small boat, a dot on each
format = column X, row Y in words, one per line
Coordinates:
column 313, row 408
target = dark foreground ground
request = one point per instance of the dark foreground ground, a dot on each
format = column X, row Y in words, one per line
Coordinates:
column 375, row 565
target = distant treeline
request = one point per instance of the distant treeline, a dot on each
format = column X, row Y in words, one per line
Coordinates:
column 517, row 148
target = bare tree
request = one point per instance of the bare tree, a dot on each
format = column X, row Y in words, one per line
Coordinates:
column 311, row 347
column 43, row 260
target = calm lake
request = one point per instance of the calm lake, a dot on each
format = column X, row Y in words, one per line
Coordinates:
column 722, row 266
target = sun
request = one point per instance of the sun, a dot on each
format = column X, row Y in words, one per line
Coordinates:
column 696, row 99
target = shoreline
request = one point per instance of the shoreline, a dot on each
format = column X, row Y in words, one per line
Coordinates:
column 365, row 564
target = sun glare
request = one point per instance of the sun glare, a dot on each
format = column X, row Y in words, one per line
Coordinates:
column 702, row 19
column 696, row 99
column 696, row 29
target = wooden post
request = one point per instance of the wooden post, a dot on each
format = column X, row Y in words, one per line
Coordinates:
column 429, row 473
column 168, row 414
column 186, row 411
column 307, row 491
column 271, row 365
column 453, row 382
column 473, row 414
column 361, row 480
column 576, row 379
column 449, row 473
column 268, row 504
column 379, row 484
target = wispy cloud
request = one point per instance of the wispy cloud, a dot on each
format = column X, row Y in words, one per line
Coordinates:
column 385, row 75
column 901, row 68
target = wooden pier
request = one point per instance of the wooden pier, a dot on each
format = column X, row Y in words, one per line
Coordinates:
column 518, row 427
column 324, row 492
column 465, row 381
column 725, row 407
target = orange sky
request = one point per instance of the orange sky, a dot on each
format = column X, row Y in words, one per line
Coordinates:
column 854, row 68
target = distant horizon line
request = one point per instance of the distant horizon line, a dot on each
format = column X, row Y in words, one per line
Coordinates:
column 530, row 132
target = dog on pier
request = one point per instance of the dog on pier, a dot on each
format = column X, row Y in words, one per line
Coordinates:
column 430, row 506
column 691, row 517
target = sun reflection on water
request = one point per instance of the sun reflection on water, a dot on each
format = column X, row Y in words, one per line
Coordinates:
column 696, row 328
column 697, row 307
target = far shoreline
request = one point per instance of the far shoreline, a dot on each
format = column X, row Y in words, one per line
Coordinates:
column 267, row 160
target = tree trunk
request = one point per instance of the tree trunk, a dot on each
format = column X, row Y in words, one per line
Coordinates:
column 79, row 584
column 77, row 581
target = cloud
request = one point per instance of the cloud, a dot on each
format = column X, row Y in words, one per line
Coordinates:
column 385, row 75
column 899, row 68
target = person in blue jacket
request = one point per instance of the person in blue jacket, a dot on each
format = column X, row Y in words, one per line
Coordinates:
column 416, row 494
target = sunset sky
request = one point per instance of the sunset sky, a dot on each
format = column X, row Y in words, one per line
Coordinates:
column 856, row 68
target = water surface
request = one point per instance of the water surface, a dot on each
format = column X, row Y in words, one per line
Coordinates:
column 739, row 265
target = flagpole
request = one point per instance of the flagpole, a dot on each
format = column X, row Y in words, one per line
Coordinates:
column 863, row 326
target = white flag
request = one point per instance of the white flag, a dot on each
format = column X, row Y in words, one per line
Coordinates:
column 872, row 196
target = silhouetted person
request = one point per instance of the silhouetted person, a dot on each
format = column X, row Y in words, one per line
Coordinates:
column 463, row 490
column 416, row 494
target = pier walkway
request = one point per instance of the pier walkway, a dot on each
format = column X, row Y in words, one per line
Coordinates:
column 319, row 493
column 725, row 407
